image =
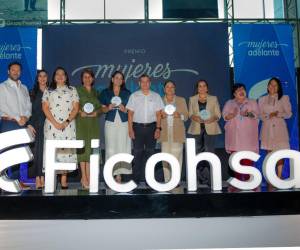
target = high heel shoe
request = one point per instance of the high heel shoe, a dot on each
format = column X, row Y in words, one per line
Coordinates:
column 38, row 186
column 84, row 185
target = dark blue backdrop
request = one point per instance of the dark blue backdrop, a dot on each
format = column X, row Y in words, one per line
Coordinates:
column 181, row 52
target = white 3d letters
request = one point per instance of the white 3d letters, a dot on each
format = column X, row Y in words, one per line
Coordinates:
column 51, row 166
column 269, row 169
column 21, row 154
column 150, row 172
column 94, row 167
column 192, row 161
column 13, row 156
column 255, row 176
column 108, row 173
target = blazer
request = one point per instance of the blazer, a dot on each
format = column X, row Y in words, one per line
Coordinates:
column 212, row 105
column 178, row 123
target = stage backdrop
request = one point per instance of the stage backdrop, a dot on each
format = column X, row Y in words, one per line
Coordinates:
column 262, row 51
column 19, row 44
column 181, row 52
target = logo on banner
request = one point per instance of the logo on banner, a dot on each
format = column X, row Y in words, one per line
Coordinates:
column 11, row 51
column 134, row 69
column 263, row 47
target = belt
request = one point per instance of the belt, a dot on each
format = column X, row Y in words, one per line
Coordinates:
column 4, row 118
column 144, row 124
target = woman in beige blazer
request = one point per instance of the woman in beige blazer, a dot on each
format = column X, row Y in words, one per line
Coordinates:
column 204, row 112
column 172, row 126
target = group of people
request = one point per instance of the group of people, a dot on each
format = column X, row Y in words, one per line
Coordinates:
column 56, row 110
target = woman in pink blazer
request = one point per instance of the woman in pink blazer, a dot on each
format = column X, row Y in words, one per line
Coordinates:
column 241, row 128
column 274, row 109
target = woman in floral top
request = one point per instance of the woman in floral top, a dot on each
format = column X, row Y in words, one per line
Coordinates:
column 61, row 105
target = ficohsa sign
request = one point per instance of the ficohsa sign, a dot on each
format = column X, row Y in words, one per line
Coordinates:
column 19, row 155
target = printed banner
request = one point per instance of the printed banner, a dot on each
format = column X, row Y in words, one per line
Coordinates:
column 19, row 44
column 263, row 51
column 183, row 53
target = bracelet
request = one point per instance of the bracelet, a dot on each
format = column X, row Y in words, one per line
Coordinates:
column 159, row 128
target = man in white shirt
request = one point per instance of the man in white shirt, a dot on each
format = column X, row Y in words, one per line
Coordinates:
column 144, row 117
column 15, row 105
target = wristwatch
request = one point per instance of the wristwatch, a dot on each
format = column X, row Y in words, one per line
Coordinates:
column 159, row 128
column 68, row 121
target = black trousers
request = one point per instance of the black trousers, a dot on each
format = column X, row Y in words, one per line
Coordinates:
column 30, row 3
column 143, row 147
column 204, row 143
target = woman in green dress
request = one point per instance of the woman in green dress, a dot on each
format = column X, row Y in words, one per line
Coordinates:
column 87, row 122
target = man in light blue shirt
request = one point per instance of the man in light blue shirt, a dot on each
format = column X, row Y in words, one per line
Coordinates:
column 15, row 105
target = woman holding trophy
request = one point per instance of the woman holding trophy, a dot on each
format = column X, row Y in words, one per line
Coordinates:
column 204, row 112
column 173, row 117
column 87, row 123
column 241, row 129
column 113, row 101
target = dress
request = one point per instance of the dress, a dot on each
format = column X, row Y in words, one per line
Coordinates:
column 61, row 104
column 87, row 128
column 274, row 133
column 37, row 121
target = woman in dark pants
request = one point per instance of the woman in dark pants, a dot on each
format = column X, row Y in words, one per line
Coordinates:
column 36, row 125
column 204, row 112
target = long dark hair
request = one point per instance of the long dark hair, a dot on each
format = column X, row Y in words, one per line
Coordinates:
column 53, row 84
column 279, row 85
column 36, row 86
column 111, row 84
column 197, row 84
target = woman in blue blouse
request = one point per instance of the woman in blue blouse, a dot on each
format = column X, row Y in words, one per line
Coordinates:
column 113, row 101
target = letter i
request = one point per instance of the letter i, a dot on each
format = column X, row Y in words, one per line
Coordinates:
column 94, row 167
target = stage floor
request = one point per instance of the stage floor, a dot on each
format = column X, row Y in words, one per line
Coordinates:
column 143, row 202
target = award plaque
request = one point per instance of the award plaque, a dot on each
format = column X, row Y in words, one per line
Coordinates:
column 204, row 114
column 88, row 108
column 170, row 109
column 116, row 100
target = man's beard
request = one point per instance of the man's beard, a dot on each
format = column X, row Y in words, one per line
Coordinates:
column 14, row 78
